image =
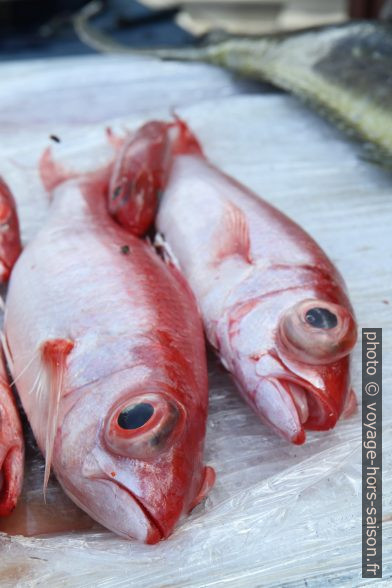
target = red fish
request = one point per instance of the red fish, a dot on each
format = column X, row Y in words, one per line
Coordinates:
column 141, row 169
column 10, row 244
column 11, row 447
column 273, row 305
column 107, row 348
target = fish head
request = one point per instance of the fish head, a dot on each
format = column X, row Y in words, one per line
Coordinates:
column 141, row 170
column 137, row 177
column 139, row 466
column 298, row 361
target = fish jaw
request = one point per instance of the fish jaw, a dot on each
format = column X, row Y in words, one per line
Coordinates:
column 135, row 500
column 129, row 519
column 155, row 532
column 276, row 407
column 327, row 389
column 291, row 405
column 293, row 399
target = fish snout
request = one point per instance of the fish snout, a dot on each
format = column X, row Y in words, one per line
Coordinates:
column 317, row 332
column 292, row 405
column 283, row 412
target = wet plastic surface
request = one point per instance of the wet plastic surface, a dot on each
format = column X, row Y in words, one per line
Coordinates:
column 279, row 515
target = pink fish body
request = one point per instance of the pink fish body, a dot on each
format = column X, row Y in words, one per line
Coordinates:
column 10, row 244
column 106, row 345
column 273, row 305
column 11, row 447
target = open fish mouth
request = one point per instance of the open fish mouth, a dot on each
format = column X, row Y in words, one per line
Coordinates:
column 291, row 406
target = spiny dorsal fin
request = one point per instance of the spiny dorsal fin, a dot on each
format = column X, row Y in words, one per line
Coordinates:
column 54, row 356
column 52, row 173
column 233, row 237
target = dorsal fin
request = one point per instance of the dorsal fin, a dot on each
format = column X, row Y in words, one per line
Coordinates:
column 233, row 235
column 116, row 141
column 184, row 140
column 52, row 173
column 54, row 356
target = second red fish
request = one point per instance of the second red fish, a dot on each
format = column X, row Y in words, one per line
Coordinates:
column 274, row 306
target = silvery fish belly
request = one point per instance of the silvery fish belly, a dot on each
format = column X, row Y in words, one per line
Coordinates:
column 274, row 307
column 106, row 346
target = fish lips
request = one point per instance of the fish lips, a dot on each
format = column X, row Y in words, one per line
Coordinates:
column 327, row 387
column 109, row 482
column 128, row 517
column 301, row 398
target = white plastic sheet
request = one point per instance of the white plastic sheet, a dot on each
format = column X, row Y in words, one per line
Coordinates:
column 279, row 515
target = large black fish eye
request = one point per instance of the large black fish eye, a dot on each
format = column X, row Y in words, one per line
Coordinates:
column 134, row 417
column 321, row 318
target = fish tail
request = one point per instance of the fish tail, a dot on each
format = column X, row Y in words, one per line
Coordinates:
column 52, row 172
column 54, row 355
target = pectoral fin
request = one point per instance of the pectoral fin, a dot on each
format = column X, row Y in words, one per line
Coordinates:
column 233, row 235
column 54, row 356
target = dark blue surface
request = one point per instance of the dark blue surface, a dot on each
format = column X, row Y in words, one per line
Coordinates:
column 124, row 20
